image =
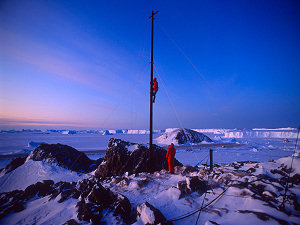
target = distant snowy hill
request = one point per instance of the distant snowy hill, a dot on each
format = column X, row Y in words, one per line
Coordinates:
column 182, row 136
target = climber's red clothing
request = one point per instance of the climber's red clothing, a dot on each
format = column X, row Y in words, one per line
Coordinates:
column 155, row 88
column 170, row 156
column 155, row 85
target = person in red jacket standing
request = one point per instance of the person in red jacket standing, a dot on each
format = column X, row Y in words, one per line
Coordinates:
column 170, row 156
column 155, row 88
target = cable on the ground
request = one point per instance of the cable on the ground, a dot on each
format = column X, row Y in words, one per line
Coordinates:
column 200, row 209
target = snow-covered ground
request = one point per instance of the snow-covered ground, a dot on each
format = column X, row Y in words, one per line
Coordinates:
column 252, row 192
column 246, row 193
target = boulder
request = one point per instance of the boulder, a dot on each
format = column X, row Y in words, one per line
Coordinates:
column 39, row 188
column 122, row 206
column 148, row 214
column 101, row 195
column 196, row 184
column 64, row 156
column 191, row 184
column 84, row 212
column 122, row 156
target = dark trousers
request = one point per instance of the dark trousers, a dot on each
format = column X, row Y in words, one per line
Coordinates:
column 154, row 95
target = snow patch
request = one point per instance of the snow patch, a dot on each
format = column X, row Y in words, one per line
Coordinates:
column 132, row 148
column 33, row 144
column 146, row 214
column 33, row 171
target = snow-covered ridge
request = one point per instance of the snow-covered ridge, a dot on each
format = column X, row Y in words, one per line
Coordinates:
column 276, row 129
column 213, row 131
column 261, row 134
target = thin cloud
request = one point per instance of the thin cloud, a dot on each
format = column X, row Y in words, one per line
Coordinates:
column 95, row 106
column 67, row 64
column 20, row 122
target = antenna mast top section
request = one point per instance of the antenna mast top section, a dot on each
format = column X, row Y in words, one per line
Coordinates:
column 153, row 13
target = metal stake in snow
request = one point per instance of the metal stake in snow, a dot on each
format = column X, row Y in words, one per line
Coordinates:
column 151, row 93
column 211, row 159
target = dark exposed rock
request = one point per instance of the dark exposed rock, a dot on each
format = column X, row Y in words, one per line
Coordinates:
column 39, row 188
column 192, row 184
column 11, row 201
column 119, row 159
column 64, row 156
column 295, row 179
column 66, row 191
column 17, row 207
column 96, row 219
column 264, row 217
column 196, row 184
column 282, row 173
column 251, row 170
column 182, row 186
column 84, row 212
column 184, row 170
column 71, row 222
column 85, row 187
column 94, row 198
column 122, row 206
column 143, row 182
column 14, row 164
column 101, row 196
column 157, row 216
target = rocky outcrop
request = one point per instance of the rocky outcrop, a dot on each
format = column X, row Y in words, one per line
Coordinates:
column 122, row 206
column 122, row 156
column 14, row 164
column 64, row 156
column 191, row 184
column 93, row 199
column 182, row 136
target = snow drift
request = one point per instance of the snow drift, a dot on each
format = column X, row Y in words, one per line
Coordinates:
column 34, row 144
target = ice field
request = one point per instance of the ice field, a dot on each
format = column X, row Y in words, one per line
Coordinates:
column 255, row 145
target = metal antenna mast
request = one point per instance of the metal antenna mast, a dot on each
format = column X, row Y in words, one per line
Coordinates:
column 151, row 94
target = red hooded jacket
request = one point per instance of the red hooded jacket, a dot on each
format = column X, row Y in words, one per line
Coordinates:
column 171, row 152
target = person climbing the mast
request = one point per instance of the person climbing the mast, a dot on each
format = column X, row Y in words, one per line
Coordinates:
column 170, row 156
column 155, row 88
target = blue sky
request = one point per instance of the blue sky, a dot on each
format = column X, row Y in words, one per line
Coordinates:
column 85, row 64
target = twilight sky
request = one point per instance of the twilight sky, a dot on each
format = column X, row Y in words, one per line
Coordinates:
column 85, row 64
